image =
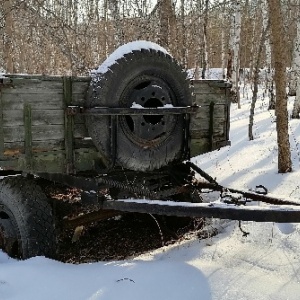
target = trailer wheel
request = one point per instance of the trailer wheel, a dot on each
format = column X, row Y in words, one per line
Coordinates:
column 146, row 78
column 26, row 221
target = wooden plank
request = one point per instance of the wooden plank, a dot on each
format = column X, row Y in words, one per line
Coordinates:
column 80, row 131
column 16, row 148
column 201, row 99
column 80, row 87
column 42, row 101
column 1, row 128
column 79, row 99
column 39, row 117
column 35, row 77
column 199, row 146
column 203, row 112
column 33, row 86
column 39, row 133
column 54, row 161
column 79, row 92
column 218, row 132
column 206, row 89
column 28, row 135
column 69, row 127
column 204, row 122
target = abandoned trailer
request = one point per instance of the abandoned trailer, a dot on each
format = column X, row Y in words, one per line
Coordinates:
column 121, row 136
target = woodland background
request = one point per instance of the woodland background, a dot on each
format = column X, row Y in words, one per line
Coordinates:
column 242, row 37
column 73, row 36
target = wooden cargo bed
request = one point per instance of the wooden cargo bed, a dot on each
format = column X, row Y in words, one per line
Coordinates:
column 37, row 135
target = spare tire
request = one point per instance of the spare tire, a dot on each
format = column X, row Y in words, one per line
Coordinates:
column 147, row 78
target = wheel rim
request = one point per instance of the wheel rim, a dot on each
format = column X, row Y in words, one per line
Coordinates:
column 148, row 92
column 8, row 236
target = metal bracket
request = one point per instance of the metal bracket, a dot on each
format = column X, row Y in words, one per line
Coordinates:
column 107, row 111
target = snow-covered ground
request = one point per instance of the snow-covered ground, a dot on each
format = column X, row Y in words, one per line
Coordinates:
column 229, row 266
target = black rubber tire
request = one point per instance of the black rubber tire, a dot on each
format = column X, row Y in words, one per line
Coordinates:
column 120, row 86
column 24, row 204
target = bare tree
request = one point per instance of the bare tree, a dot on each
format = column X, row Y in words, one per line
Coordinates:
column 236, row 52
column 8, row 36
column 269, row 86
column 279, row 54
column 255, row 81
column 166, row 18
column 205, row 38
column 294, row 89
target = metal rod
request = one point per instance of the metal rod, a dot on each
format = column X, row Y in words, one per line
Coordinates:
column 208, row 210
column 73, row 110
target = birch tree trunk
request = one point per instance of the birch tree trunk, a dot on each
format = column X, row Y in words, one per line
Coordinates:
column 230, row 48
column 165, row 16
column 223, row 43
column 255, row 83
column 278, row 52
column 296, row 107
column 236, row 52
column 223, row 54
column 295, row 63
column 269, row 87
column 183, row 33
column 119, row 34
column 205, row 54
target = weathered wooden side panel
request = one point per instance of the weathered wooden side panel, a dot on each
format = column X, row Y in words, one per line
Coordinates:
column 36, row 135
column 49, row 141
column 210, row 126
column 44, row 99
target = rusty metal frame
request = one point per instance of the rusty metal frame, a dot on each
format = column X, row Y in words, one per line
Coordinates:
column 108, row 111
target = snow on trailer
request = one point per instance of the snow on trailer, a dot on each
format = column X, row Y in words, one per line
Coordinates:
column 126, row 132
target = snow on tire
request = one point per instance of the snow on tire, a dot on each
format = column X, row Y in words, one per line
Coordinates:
column 144, row 77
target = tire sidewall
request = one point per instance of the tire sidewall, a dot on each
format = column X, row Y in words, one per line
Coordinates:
column 25, row 213
column 110, row 89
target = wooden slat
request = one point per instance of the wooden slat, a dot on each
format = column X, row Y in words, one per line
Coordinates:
column 35, row 77
column 204, row 132
column 69, row 127
column 1, row 128
column 79, row 93
column 34, row 86
column 39, row 133
column 37, row 146
column 79, row 99
column 201, row 99
column 41, row 101
column 80, row 87
column 203, row 112
column 39, row 117
column 28, row 135
column 80, row 131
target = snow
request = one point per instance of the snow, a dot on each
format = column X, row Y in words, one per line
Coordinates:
column 136, row 105
column 139, row 106
column 213, row 73
column 217, row 203
column 263, row 265
column 125, row 49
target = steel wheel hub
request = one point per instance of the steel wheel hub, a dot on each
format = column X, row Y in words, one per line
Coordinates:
column 145, row 128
